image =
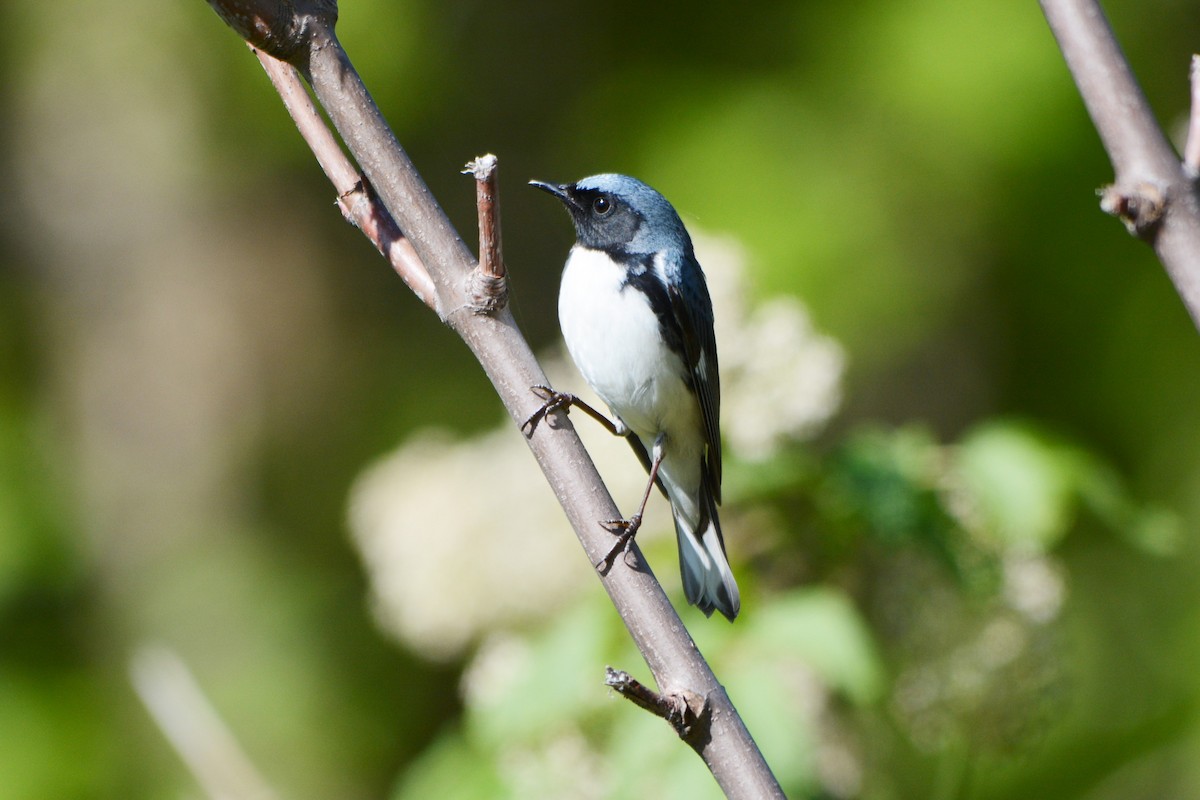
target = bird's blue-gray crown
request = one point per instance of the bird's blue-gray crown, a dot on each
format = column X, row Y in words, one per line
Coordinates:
column 621, row 214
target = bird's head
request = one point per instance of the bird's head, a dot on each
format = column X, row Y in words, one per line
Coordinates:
column 618, row 213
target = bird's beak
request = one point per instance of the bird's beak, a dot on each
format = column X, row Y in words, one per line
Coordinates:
column 559, row 190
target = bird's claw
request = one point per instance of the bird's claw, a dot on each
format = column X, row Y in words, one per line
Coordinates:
column 552, row 401
column 624, row 530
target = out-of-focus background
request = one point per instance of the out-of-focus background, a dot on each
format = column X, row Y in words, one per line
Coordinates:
column 249, row 482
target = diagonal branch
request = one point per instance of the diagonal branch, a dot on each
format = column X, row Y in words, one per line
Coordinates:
column 357, row 201
column 301, row 32
column 192, row 725
column 1153, row 194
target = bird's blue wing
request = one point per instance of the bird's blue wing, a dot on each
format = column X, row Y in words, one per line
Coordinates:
column 691, row 308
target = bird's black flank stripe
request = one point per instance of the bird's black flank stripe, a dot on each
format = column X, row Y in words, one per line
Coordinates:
column 639, row 275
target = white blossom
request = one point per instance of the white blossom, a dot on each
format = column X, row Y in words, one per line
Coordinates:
column 780, row 379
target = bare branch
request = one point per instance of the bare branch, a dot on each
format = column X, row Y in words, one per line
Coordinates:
column 1152, row 193
column 188, row 720
column 357, row 201
column 673, row 658
column 1113, row 98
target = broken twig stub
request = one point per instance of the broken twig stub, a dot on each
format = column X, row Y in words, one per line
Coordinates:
column 1140, row 207
column 489, row 287
column 686, row 711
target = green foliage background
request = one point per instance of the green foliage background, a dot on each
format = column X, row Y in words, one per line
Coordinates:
column 197, row 357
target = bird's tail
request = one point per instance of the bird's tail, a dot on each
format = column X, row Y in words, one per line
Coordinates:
column 707, row 580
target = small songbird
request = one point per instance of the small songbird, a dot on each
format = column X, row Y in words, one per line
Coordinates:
column 638, row 321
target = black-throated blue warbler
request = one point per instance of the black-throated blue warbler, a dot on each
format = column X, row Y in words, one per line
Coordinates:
column 638, row 322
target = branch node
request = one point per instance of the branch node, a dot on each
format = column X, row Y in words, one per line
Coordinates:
column 488, row 287
column 1140, row 207
column 355, row 203
column 488, row 293
column 687, row 711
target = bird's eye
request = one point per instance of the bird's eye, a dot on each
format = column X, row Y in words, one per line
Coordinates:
column 602, row 205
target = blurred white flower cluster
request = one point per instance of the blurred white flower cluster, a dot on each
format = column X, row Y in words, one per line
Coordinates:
column 462, row 536
column 780, row 379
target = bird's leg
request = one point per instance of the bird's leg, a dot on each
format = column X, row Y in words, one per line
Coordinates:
column 555, row 401
column 624, row 529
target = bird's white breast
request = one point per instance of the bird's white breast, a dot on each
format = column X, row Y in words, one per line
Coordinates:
column 614, row 338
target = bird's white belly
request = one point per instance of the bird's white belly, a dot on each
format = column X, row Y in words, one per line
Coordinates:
column 614, row 338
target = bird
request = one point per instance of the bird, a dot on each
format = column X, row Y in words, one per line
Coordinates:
column 637, row 320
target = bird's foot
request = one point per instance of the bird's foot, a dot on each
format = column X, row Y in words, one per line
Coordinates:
column 624, row 530
column 552, row 401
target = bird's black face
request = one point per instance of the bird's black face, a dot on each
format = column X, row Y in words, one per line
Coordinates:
column 603, row 220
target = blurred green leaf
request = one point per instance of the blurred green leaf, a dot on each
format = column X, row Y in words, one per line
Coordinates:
column 889, row 485
column 451, row 768
column 552, row 675
column 644, row 758
column 1029, row 486
column 821, row 628
column 34, row 549
column 888, row 479
column 55, row 742
column 1150, row 528
column 1023, row 481
column 792, row 652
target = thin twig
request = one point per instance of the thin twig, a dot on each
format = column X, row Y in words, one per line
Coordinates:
column 359, row 204
column 193, row 727
column 1191, row 151
column 682, row 711
column 1153, row 194
column 489, row 288
column 484, row 170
